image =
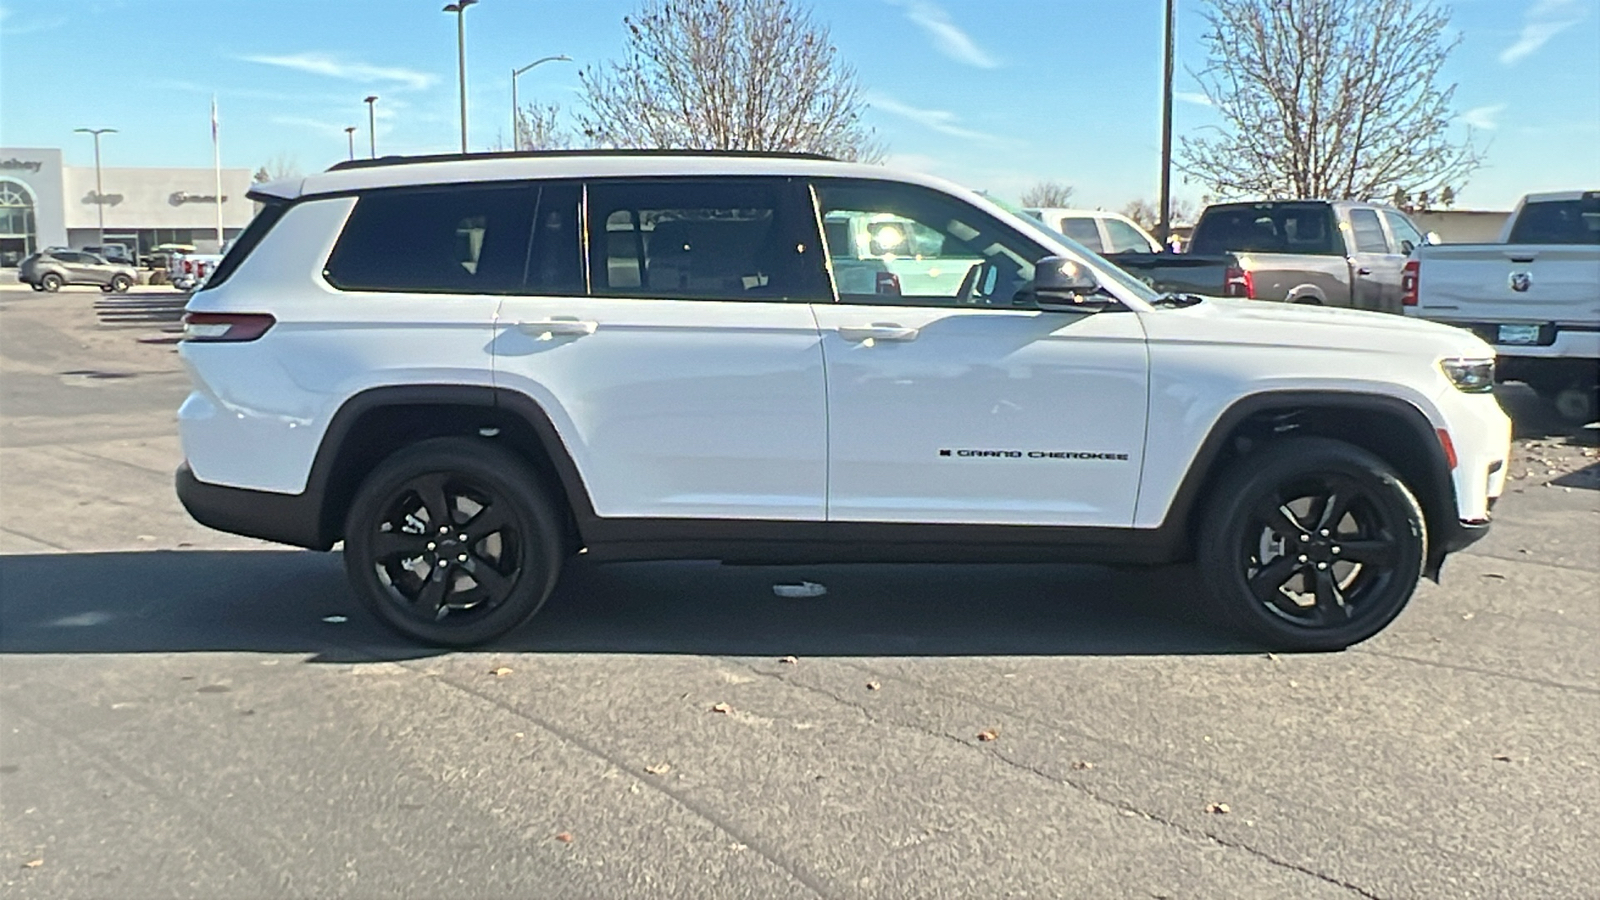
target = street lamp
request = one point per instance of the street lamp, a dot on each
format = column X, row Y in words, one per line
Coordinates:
column 372, row 123
column 99, row 190
column 516, row 117
column 350, row 132
column 460, row 9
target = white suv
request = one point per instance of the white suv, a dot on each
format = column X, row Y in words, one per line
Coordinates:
column 468, row 369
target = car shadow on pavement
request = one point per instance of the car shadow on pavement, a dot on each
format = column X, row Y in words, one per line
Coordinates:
column 298, row 602
column 1533, row 417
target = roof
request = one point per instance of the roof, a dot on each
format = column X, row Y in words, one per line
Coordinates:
column 457, row 169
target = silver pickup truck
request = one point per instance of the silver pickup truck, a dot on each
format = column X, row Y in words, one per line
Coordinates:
column 1535, row 296
column 1324, row 252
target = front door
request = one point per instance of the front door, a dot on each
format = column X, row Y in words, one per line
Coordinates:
column 964, row 403
column 1375, row 266
column 686, row 382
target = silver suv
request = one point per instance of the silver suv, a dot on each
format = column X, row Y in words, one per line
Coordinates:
column 48, row 270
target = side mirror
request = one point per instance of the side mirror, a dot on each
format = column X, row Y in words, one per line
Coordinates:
column 1066, row 285
column 1432, row 237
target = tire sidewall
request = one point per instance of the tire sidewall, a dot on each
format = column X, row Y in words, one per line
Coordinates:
column 512, row 482
column 120, row 284
column 50, row 283
column 1250, row 481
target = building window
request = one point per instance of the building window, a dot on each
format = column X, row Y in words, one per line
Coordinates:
column 17, row 235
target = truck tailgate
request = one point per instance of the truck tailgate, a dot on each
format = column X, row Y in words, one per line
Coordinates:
column 1531, row 283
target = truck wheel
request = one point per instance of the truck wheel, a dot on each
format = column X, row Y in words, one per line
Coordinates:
column 121, row 283
column 50, row 282
column 1311, row 544
column 452, row 542
column 1577, row 403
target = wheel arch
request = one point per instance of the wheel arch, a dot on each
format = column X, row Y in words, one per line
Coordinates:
column 1393, row 429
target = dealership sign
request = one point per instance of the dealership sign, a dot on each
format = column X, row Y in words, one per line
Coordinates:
column 179, row 198
column 30, row 165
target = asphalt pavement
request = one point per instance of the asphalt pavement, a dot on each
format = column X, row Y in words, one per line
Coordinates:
column 190, row 714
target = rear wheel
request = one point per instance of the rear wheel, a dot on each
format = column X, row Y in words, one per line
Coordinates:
column 452, row 542
column 50, row 282
column 105, row 288
column 121, row 283
column 1312, row 544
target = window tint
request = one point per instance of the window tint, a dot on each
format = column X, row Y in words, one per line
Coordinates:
column 1404, row 232
column 723, row 239
column 1368, row 231
column 447, row 239
column 1268, row 228
column 1559, row 222
column 555, row 257
column 1125, row 238
column 1083, row 231
column 912, row 246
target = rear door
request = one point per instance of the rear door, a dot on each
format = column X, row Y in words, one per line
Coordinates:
column 678, row 358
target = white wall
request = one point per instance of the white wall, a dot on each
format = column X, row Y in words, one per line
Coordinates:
column 153, row 198
column 39, row 170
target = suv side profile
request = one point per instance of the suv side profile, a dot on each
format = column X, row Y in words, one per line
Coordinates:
column 49, row 270
column 470, row 368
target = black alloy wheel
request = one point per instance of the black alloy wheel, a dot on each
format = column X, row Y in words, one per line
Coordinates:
column 451, row 542
column 1315, row 545
column 50, row 282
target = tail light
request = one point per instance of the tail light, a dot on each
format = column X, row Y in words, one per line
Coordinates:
column 219, row 328
column 1408, row 283
column 1240, row 283
column 888, row 283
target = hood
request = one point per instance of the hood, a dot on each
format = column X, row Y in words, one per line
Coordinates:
column 1265, row 323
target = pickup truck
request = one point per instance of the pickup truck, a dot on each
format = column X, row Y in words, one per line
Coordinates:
column 1137, row 252
column 1535, row 296
column 1321, row 252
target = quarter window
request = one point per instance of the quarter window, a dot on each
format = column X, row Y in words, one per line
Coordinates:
column 1368, row 231
column 727, row 239
column 446, row 239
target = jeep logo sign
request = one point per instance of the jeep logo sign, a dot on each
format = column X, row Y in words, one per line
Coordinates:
column 179, row 198
column 1521, row 281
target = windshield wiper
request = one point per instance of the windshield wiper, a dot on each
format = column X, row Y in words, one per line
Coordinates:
column 1173, row 300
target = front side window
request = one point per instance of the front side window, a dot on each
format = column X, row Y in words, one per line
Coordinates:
column 439, row 239
column 892, row 243
column 1084, row 231
column 1125, row 238
column 1368, row 231
column 717, row 239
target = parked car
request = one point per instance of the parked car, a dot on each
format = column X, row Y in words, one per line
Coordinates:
column 188, row 271
column 160, row 256
column 1136, row 251
column 48, row 270
column 113, row 253
column 1535, row 296
column 1327, row 253
column 471, row 369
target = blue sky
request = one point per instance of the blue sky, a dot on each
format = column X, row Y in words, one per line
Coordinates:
column 995, row 94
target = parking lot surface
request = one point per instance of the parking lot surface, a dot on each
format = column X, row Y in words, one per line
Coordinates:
column 190, row 714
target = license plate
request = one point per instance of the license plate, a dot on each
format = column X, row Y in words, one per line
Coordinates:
column 1518, row 334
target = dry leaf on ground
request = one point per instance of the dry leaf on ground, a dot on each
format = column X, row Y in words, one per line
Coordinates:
column 1502, row 757
column 659, row 768
column 33, row 864
column 789, row 660
column 873, row 685
column 989, row 734
column 1220, row 809
column 499, row 671
column 1082, row 765
column 564, row 837
column 722, row 708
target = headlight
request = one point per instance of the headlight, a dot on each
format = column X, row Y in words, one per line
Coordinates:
column 1475, row 376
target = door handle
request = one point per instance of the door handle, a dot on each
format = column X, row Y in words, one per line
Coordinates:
column 877, row 331
column 558, row 325
column 1363, row 271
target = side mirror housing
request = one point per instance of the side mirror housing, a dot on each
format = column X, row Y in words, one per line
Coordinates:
column 1066, row 285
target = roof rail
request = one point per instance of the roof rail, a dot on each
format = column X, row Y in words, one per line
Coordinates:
column 543, row 154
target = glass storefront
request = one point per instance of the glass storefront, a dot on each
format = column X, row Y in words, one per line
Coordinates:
column 18, row 233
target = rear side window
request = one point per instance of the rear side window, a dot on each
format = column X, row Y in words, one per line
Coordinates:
column 446, row 239
column 246, row 242
column 1559, row 222
column 1268, row 228
column 1368, row 231
column 722, row 239
column 1404, row 232
column 1084, row 232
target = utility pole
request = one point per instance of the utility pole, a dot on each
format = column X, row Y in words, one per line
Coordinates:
column 350, row 132
column 1164, row 229
column 460, row 9
column 99, row 189
column 372, row 123
column 516, row 115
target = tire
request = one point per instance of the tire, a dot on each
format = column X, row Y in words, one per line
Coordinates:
column 1577, row 404
column 1359, row 560
column 121, row 283
column 36, row 285
column 51, row 282
column 406, row 571
column 105, row 288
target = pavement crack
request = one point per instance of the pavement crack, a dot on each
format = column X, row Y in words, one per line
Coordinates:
column 1476, row 670
column 38, row 540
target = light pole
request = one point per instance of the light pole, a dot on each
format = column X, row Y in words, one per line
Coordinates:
column 372, row 123
column 516, row 115
column 350, row 132
column 99, row 189
column 460, row 9
column 1164, row 229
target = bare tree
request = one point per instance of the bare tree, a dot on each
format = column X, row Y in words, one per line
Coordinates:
column 281, row 165
column 727, row 75
column 1045, row 194
column 1338, row 99
column 1146, row 212
column 539, row 128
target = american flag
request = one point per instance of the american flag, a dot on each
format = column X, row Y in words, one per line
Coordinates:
column 213, row 118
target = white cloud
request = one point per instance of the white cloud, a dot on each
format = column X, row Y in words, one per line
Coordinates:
column 1484, row 117
column 947, row 36
column 10, row 27
column 1544, row 20
column 940, row 120
column 323, row 64
column 1195, row 97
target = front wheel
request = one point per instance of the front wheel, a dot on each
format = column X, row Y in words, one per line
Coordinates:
column 1312, row 544
column 452, row 542
column 50, row 282
column 121, row 283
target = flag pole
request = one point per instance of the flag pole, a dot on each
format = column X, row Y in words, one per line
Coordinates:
column 216, row 166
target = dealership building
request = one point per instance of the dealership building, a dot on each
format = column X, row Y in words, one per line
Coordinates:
column 44, row 203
